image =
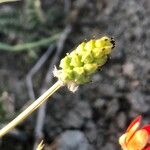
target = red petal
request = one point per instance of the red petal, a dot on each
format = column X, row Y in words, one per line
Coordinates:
column 147, row 128
column 137, row 119
column 147, row 148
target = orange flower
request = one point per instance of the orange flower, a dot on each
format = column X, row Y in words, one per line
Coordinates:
column 135, row 138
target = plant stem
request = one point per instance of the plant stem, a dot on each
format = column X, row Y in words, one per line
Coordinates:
column 31, row 108
column 28, row 46
column 3, row 1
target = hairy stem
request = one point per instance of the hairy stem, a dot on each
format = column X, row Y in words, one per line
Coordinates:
column 31, row 108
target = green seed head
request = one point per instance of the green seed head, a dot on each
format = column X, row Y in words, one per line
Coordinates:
column 78, row 66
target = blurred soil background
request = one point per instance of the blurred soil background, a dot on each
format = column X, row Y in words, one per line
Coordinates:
column 35, row 35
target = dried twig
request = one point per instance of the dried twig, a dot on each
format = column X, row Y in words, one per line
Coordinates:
column 40, row 146
column 6, row 1
column 67, row 4
column 35, row 69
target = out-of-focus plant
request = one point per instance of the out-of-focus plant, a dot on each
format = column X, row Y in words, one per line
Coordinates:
column 34, row 13
column 75, row 68
column 29, row 46
column 136, row 138
column 27, row 27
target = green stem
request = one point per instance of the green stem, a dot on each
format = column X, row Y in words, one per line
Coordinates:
column 31, row 108
column 27, row 46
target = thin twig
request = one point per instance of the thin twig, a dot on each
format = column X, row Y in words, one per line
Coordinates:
column 67, row 4
column 48, row 79
column 35, row 69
